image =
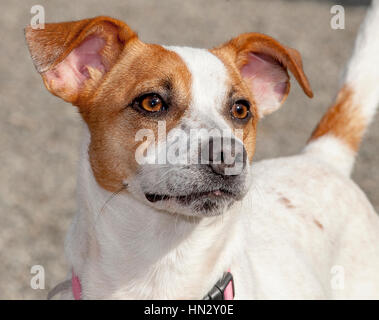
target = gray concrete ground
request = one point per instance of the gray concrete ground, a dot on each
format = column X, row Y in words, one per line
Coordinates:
column 40, row 134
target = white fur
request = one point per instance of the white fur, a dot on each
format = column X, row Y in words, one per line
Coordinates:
column 363, row 69
column 129, row 250
column 209, row 88
column 301, row 218
column 275, row 249
column 332, row 151
column 209, row 79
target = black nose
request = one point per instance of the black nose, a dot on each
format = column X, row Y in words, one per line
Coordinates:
column 226, row 156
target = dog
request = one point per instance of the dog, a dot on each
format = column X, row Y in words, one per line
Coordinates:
column 286, row 228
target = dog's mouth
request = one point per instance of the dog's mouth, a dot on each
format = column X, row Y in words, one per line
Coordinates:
column 213, row 195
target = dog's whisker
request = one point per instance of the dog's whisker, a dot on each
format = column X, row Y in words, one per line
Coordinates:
column 111, row 197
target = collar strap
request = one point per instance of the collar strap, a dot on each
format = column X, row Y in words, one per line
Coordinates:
column 222, row 290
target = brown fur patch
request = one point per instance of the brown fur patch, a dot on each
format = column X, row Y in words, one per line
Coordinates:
column 287, row 202
column 318, row 224
column 343, row 120
column 113, row 123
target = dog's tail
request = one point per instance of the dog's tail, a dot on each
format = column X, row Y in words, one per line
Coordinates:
column 338, row 135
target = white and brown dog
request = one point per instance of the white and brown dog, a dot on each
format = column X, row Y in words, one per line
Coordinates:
column 172, row 231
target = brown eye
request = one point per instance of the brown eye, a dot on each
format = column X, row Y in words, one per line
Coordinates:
column 240, row 110
column 151, row 103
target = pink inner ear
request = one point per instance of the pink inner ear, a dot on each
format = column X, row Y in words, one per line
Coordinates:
column 72, row 71
column 268, row 81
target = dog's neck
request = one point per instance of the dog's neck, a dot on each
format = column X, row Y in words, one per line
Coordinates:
column 122, row 248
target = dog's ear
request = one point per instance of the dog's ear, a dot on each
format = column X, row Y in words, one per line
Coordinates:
column 72, row 57
column 263, row 62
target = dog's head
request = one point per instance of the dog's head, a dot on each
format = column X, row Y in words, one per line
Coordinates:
column 175, row 126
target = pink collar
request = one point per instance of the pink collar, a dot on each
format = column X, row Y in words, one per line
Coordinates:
column 76, row 286
column 222, row 290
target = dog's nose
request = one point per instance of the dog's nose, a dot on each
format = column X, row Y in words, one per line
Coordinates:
column 226, row 156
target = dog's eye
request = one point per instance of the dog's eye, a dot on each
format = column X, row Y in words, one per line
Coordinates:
column 151, row 102
column 240, row 110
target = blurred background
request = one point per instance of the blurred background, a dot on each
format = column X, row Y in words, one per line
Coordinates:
column 40, row 134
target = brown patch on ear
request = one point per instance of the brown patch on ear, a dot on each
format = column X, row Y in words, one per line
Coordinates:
column 343, row 120
column 235, row 55
column 49, row 47
column 261, row 43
